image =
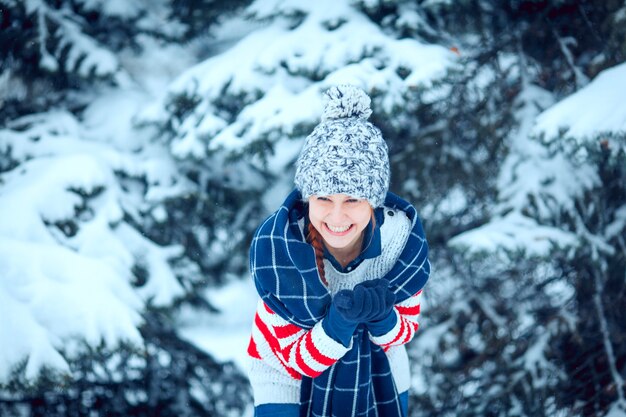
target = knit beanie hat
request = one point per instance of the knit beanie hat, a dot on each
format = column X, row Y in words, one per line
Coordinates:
column 345, row 154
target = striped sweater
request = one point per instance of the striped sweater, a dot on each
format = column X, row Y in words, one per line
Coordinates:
column 282, row 353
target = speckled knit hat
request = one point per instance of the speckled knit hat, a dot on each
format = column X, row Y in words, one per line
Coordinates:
column 345, row 154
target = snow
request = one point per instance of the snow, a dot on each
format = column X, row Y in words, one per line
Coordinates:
column 535, row 361
column 533, row 179
column 271, row 69
column 596, row 108
column 553, row 179
column 224, row 335
column 83, row 54
column 65, row 273
column 52, row 294
column 68, row 253
column 427, row 62
column 617, row 410
column 614, row 228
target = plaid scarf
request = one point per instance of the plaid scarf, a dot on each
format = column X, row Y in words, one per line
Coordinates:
column 286, row 276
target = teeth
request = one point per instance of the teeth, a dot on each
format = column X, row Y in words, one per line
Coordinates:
column 340, row 229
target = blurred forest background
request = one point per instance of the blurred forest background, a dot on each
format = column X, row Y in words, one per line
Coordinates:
column 142, row 142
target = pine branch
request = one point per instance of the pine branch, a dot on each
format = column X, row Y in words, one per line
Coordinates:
column 71, row 50
column 564, row 44
column 604, row 328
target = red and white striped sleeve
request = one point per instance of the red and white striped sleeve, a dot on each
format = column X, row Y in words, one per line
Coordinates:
column 290, row 348
column 408, row 312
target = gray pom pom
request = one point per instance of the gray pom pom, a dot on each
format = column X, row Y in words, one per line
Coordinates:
column 346, row 101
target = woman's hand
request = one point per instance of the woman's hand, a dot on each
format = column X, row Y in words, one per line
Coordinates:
column 368, row 303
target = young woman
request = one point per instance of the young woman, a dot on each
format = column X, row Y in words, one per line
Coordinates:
column 339, row 268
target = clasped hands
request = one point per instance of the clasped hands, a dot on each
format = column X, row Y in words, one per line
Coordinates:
column 368, row 303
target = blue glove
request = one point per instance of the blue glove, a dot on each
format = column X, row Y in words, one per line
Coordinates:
column 369, row 302
column 339, row 322
column 382, row 299
column 382, row 319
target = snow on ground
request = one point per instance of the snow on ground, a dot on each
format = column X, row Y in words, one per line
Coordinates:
column 224, row 335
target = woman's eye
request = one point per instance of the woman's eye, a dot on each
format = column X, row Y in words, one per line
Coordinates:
column 352, row 200
column 323, row 199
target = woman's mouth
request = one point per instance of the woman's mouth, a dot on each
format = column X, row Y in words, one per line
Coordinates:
column 338, row 230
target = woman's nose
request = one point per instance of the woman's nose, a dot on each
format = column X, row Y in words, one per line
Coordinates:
column 337, row 213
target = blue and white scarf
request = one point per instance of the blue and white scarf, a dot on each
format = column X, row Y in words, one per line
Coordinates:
column 286, row 277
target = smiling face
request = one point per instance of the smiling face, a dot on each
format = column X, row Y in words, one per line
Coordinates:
column 340, row 220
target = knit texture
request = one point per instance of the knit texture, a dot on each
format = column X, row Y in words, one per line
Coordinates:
column 285, row 273
column 345, row 154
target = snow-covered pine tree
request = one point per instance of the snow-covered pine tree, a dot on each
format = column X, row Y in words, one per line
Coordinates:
column 539, row 333
column 86, row 298
column 48, row 48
